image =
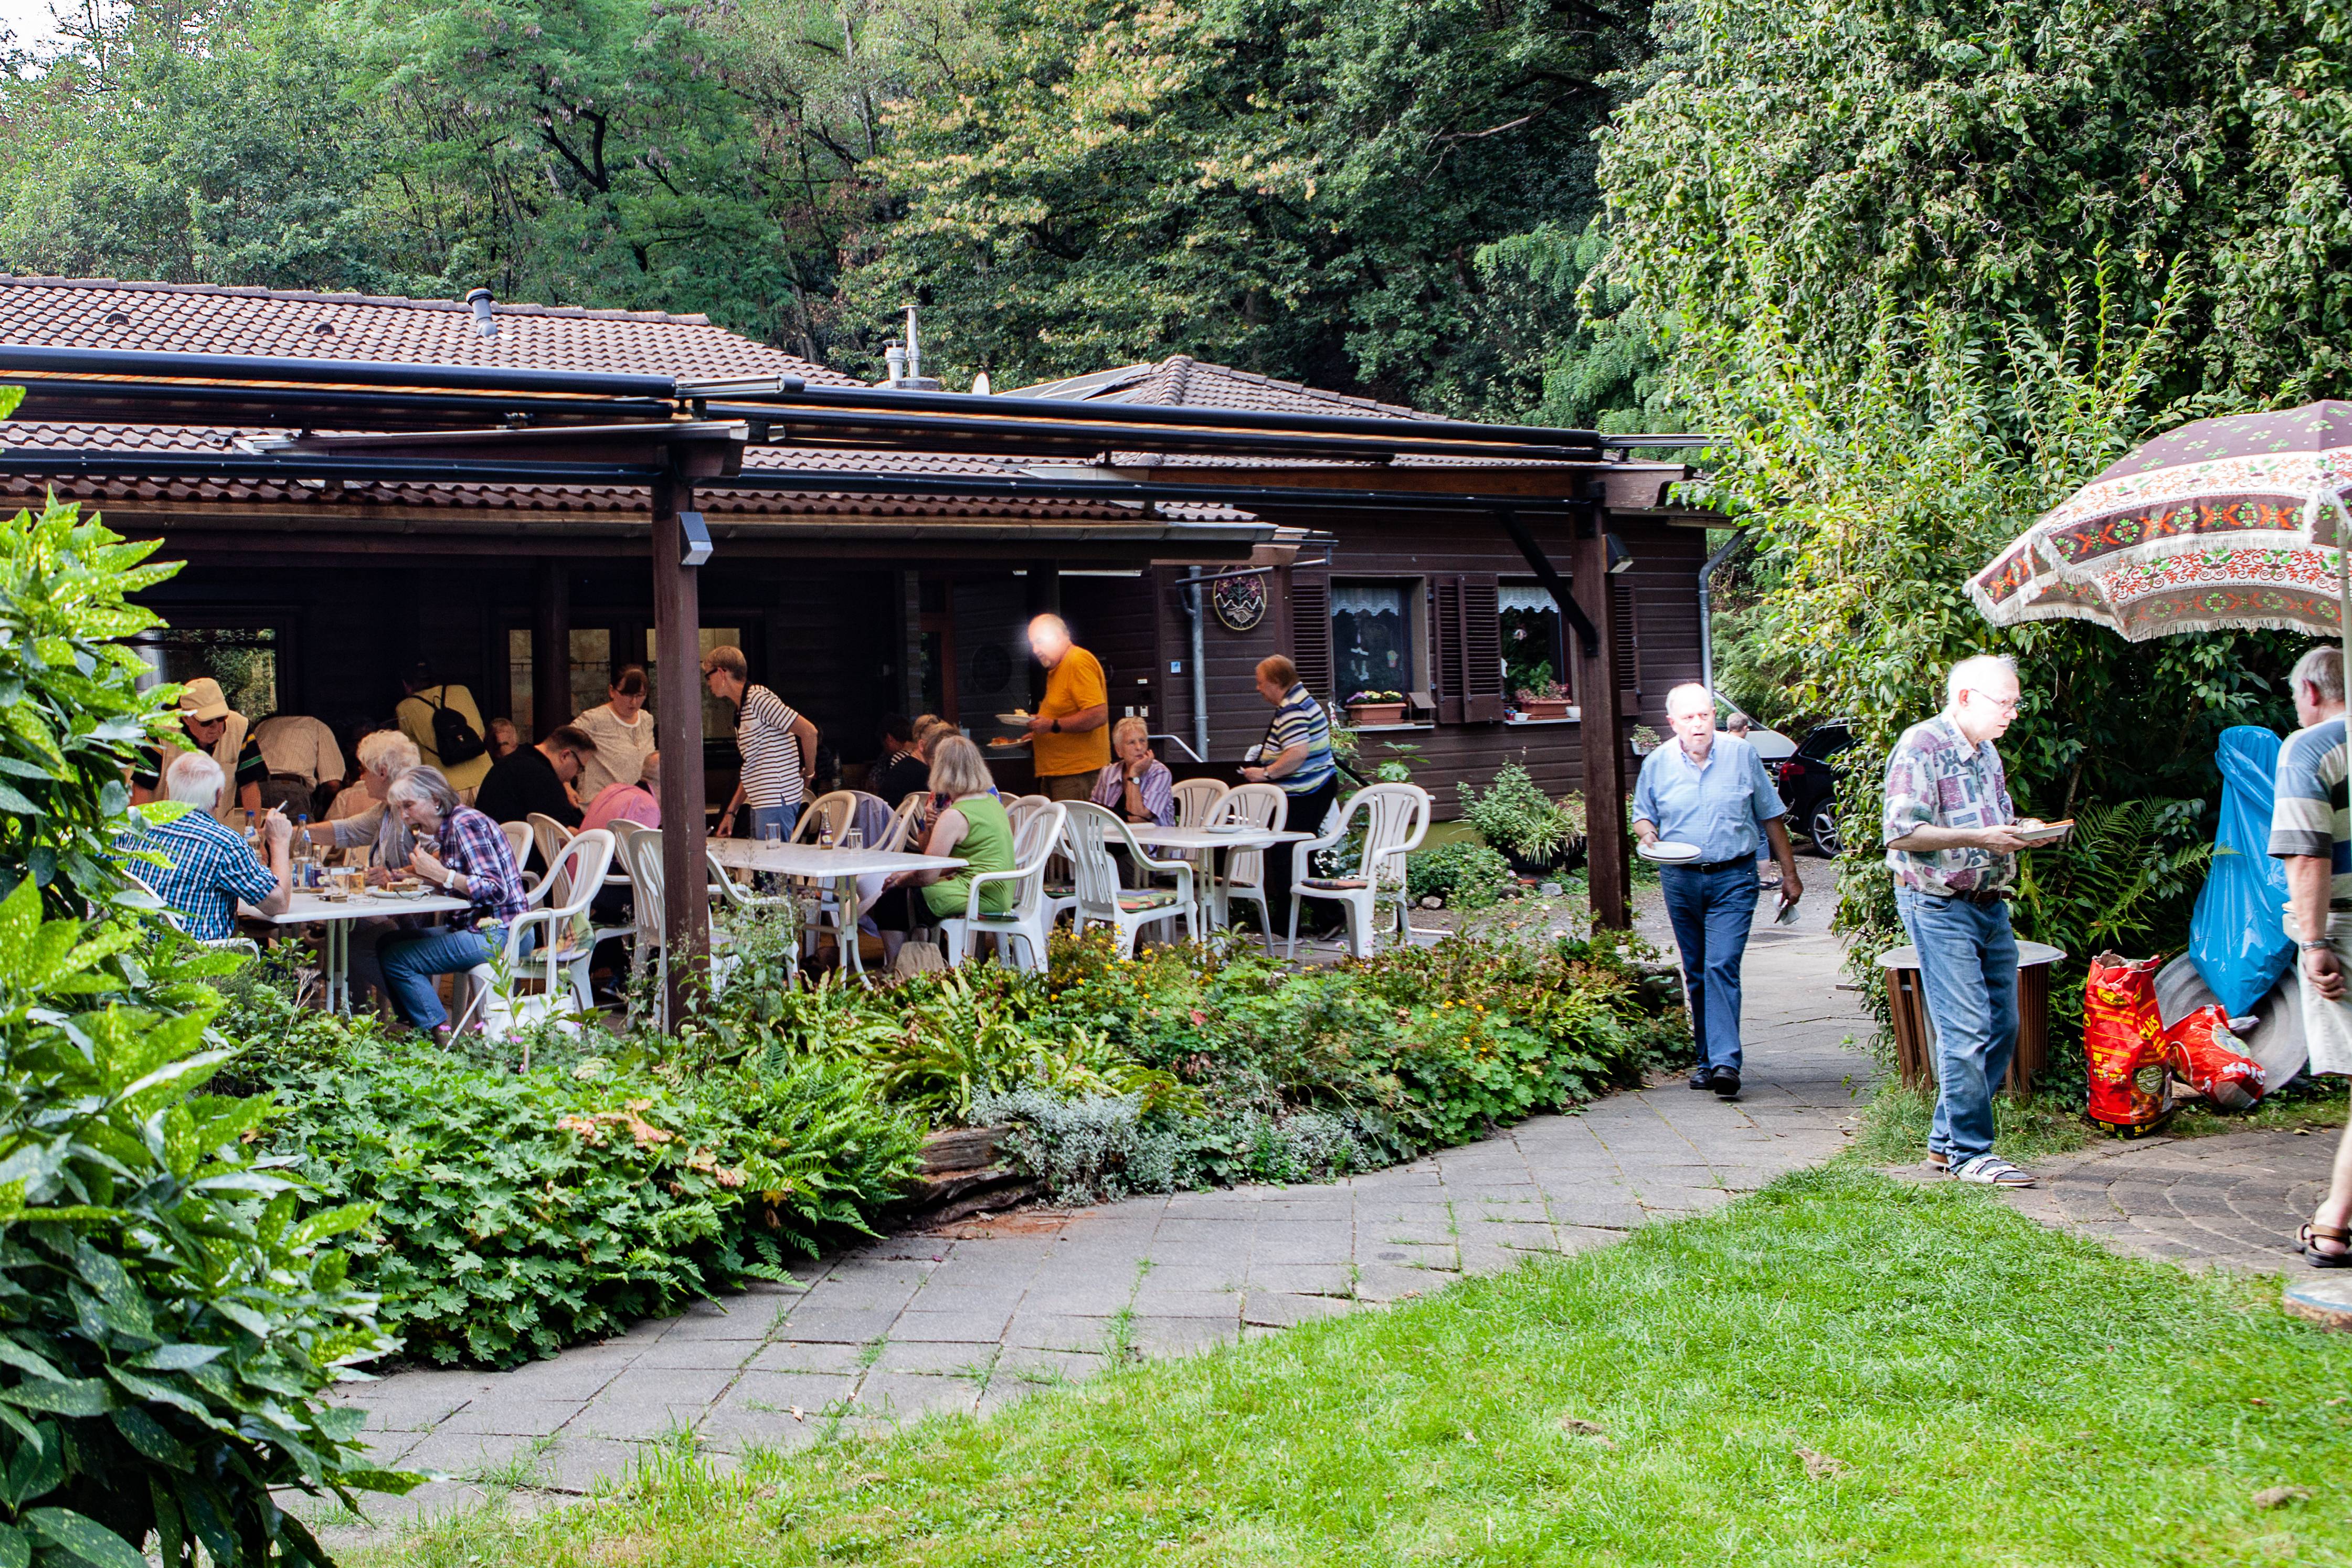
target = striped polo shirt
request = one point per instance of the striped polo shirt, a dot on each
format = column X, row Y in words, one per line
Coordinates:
column 2310, row 816
column 1301, row 718
column 771, row 752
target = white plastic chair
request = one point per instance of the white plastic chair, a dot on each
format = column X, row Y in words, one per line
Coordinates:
column 836, row 811
column 1197, row 800
column 1262, row 805
column 547, row 836
column 1088, row 832
column 520, row 840
column 1396, row 815
column 558, row 963
column 902, row 823
column 1030, row 918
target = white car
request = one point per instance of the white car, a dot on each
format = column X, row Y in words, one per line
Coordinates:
column 1771, row 744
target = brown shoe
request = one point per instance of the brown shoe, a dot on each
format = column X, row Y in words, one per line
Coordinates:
column 1938, row 1161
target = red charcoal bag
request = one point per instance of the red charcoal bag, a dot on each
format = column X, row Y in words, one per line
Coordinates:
column 2123, row 1041
column 2202, row 1053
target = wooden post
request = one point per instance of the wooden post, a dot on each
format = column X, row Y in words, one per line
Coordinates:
column 677, row 653
column 550, row 652
column 1609, row 870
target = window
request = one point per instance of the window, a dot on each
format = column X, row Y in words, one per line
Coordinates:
column 1534, row 652
column 1372, row 638
column 718, row 717
column 244, row 660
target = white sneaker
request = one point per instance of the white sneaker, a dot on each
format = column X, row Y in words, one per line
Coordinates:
column 1990, row 1171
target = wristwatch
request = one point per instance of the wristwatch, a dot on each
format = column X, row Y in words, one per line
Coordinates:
column 1057, row 726
column 2316, row 942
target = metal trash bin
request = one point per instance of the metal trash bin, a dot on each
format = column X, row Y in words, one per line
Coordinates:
column 1915, row 1032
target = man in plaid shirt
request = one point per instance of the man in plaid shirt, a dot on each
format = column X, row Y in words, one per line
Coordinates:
column 1948, row 828
column 208, row 867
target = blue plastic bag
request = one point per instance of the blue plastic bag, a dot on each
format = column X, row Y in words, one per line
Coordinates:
column 2238, row 936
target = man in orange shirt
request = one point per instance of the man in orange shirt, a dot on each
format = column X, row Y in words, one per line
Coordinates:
column 1072, row 744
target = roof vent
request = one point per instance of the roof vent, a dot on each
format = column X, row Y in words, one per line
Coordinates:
column 980, row 384
column 324, row 329
column 895, row 356
column 118, row 318
column 485, row 325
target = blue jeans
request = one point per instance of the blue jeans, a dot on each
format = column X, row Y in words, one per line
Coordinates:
column 783, row 816
column 410, row 959
column 1711, row 912
column 1968, row 966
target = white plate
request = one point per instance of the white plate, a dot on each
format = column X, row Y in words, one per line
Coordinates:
column 1668, row 852
column 1019, row 721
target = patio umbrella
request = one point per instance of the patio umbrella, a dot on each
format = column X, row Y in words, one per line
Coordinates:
column 2225, row 524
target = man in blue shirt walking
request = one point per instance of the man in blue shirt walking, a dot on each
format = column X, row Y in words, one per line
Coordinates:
column 1711, row 791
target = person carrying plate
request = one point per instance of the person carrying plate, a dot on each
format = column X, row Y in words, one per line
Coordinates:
column 1701, row 806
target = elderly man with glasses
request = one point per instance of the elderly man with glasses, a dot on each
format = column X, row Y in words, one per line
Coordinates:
column 1951, row 838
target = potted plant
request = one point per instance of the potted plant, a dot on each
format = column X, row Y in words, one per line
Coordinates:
column 1376, row 707
column 1548, row 700
column 1535, row 833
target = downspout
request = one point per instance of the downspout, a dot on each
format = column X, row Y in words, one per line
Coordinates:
column 1200, row 675
column 1740, row 541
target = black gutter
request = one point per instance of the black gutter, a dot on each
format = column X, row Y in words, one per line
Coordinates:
column 197, row 403
column 1249, row 497
column 242, row 368
column 240, row 469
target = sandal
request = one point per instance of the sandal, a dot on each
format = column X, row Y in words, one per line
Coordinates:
column 1991, row 1171
column 2307, row 1240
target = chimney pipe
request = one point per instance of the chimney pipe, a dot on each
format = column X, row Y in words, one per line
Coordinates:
column 914, row 349
column 896, row 357
column 485, row 324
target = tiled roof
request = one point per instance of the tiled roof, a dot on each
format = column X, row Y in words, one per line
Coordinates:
column 206, row 317
column 1181, row 381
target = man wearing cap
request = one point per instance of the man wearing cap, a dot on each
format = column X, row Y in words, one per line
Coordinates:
column 210, row 726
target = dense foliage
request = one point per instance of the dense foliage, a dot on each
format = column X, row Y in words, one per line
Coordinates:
column 518, row 1211
column 170, row 1315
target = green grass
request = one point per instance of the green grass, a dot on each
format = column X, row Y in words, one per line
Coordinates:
column 1970, row 1389
column 1893, row 1130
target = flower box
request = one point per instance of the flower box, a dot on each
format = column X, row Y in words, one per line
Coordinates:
column 1363, row 713
column 1544, row 707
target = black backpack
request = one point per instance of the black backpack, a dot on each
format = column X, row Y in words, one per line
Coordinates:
column 454, row 740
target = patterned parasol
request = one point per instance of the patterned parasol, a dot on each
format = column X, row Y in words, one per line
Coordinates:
column 2221, row 525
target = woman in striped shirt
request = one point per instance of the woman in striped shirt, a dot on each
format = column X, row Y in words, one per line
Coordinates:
column 779, row 747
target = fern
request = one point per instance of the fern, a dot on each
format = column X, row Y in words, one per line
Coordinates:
column 2109, row 884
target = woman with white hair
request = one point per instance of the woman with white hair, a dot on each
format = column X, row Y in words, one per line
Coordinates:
column 462, row 853
column 1136, row 785
column 383, row 756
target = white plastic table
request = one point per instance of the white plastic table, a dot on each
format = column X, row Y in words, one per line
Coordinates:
column 334, row 921
column 1212, row 898
column 837, row 868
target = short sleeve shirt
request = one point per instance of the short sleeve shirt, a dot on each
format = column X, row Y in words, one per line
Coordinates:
column 1716, row 807
column 250, row 768
column 2309, row 816
column 771, row 752
column 1935, row 778
column 1074, row 684
column 1300, row 720
column 299, row 746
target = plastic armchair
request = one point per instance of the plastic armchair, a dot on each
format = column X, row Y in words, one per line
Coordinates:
column 519, row 840
column 1395, row 815
column 1031, row 918
column 1197, row 800
column 1088, row 833
column 902, row 823
column 547, row 836
column 540, row 948
column 835, row 811
column 1260, row 805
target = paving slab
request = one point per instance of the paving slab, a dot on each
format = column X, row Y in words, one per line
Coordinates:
column 981, row 1313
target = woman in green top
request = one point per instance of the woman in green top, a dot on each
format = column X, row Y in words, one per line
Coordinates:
column 968, row 822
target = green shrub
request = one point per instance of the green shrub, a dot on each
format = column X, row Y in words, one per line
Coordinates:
column 1466, row 876
column 516, row 1213
column 1519, row 818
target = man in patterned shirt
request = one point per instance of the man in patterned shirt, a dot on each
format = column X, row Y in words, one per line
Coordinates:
column 1950, row 842
column 210, row 867
column 2311, row 830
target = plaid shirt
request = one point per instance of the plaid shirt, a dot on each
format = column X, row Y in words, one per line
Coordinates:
column 1935, row 779
column 474, row 845
column 211, row 867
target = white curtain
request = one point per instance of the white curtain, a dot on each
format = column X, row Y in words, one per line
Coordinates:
column 1525, row 596
column 1368, row 598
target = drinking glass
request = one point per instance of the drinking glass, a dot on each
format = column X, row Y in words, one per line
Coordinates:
column 772, row 833
column 853, row 838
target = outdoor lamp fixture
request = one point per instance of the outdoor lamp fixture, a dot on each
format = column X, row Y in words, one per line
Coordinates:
column 694, row 535
column 1620, row 558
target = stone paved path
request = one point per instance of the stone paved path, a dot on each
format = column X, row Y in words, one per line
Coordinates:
column 2232, row 1202
column 969, row 1317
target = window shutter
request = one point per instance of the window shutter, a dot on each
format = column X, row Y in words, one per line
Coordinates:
column 1446, row 667
column 1482, row 650
column 1310, row 633
column 1629, row 646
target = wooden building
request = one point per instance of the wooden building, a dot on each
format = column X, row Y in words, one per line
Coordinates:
column 314, row 596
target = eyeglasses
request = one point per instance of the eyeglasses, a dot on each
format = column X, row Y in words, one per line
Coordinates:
column 2006, row 704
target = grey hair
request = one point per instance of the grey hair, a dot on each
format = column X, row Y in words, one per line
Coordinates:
column 388, row 752
column 1706, row 698
column 2322, row 670
column 424, row 786
column 957, row 769
column 651, row 775
column 1132, row 724
column 1965, row 675
column 193, row 778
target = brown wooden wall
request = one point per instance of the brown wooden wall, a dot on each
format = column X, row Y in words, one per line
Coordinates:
column 1460, row 565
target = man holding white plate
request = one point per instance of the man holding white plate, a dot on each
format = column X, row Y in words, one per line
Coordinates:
column 1701, row 808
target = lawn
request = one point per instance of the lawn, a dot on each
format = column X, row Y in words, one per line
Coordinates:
column 1841, row 1369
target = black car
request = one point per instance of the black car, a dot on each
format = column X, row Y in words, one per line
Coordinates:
column 1808, row 783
